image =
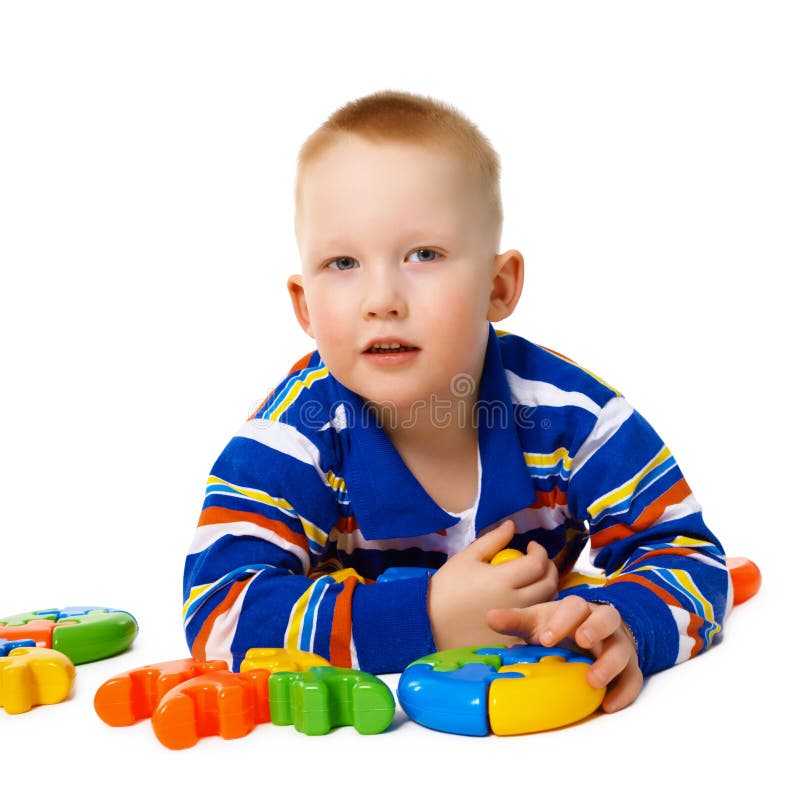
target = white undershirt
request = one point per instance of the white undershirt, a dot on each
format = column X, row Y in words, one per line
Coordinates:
column 463, row 532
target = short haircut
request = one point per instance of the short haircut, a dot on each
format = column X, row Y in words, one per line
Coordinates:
column 391, row 116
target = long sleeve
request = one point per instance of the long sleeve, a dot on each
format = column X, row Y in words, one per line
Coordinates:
column 666, row 571
column 254, row 575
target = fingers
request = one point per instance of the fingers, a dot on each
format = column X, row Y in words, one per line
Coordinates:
column 625, row 689
column 493, row 542
column 534, row 566
column 514, row 621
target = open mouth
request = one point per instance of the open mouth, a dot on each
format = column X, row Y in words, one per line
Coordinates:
column 389, row 350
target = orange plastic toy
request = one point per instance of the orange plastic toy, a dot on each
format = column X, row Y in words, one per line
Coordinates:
column 134, row 695
column 221, row 703
column 745, row 576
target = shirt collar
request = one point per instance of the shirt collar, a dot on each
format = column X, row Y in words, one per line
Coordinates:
column 389, row 502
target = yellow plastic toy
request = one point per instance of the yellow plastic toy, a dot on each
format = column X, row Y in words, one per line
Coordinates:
column 281, row 659
column 552, row 693
column 34, row 676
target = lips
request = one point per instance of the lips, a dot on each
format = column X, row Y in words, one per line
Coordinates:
column 404, row 346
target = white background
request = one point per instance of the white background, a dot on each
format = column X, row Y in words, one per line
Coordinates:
column 650, row 178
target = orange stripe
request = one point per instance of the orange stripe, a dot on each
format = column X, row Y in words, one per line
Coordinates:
column 611, row 534
column 653, row 587
column 674, row 495
column 216, row 515
column 549, row 499
column 693, row 630
column 199, row 644
column 346, row 524
column 342, row 625
column 301, row 364
column 664, row 551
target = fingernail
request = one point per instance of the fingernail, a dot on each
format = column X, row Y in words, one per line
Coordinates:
column 587, row 637
column 547, row 637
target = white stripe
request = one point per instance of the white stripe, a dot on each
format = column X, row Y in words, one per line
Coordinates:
column 685, row 642
column 206, row 535
column 539, row 393
column 686, row 507
column 611, row 418
column 286, row 439
column 546, row 518
column 223, row 630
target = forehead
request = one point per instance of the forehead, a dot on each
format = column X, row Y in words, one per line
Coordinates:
column 356, row 187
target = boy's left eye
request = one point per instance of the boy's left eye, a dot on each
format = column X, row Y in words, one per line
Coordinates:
column 425, row 254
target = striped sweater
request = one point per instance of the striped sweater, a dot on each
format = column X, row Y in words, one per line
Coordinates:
column 310, row 502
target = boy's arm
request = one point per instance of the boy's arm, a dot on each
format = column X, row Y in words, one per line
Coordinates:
column 666, row 571
column 269, row 509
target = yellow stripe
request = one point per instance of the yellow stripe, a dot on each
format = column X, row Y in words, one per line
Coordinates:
column 313, row 532
column 295, row 388
column 253, row 494
column 627, row 489
column 335, row 482
column 194, row 593
column 298, row 612
column 549, row 459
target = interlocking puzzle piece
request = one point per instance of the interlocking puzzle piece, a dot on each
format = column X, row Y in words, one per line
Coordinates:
column 32, row 676
column 82, row 633
column 281, row 659
column 7, row 646
column 134, row 695
column 218, row 703
column 322, row 698
column 521, row 689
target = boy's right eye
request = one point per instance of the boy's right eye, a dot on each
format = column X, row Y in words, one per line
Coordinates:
column 344, row 263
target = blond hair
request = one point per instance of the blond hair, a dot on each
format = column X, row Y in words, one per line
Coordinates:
column 391, row 116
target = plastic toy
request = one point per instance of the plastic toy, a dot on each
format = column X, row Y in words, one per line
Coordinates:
column 188, row 699
column 32, row 676
column 134, row 695
column 520, row 689
column 6, row 646
column 219, row 702
column 82, row 633
column 281, row 659
column 745, row 576
column 322, row 698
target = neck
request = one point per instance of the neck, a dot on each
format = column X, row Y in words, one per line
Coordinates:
column 441, row 424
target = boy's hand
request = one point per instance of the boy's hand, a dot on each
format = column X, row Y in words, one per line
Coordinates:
column 595, row 627
column 467, row 587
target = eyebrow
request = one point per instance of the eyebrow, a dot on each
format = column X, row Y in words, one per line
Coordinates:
column 425, row 237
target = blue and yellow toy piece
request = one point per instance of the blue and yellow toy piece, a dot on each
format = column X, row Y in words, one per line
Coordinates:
column 477, row 691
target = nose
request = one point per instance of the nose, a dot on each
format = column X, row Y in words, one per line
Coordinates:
column 383, row 294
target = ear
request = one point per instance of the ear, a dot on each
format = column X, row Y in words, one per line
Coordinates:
column 508, row 277
column 298, row 295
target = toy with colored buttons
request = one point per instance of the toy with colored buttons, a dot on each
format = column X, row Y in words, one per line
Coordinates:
column 189, row 699
column 39, row 650
column 82, row 633
column 519, row 689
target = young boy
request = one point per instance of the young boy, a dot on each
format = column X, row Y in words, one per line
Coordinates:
column 418, row 435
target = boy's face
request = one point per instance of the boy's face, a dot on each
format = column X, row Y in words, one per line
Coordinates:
column 395, row 245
